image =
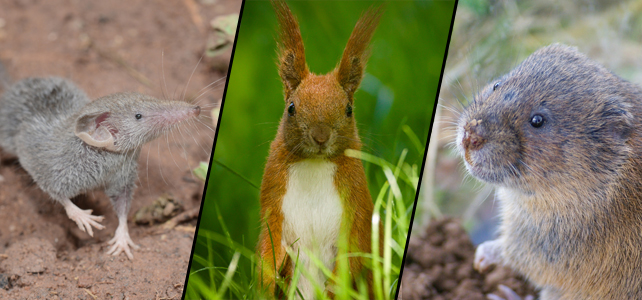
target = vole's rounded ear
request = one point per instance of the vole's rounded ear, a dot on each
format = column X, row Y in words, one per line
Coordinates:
column 619, row 119
column 93, row 130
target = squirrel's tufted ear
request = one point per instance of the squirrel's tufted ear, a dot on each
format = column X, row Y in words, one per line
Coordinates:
column 355, row 55
column 292, row 66
column 94, row 130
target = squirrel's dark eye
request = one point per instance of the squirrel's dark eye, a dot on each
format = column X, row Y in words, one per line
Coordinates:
column 537, row 121
column 291, row 110
column 349, row 110
column 138, row 116
column 496, row 85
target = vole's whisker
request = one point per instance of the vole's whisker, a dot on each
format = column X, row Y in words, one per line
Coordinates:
column 463, row 94
column 447, row 122
column 450, row 108
column 451, row 145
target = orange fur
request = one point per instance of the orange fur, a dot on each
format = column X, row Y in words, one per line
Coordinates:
column 321, row 101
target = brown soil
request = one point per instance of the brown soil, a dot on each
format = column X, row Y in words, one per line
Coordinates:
column 439, row 265
column 107, row 47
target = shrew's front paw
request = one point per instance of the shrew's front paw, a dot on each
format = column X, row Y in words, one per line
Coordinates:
column 83, row 218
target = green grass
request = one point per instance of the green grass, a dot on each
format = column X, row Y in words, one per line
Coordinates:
column 392, row 108
column 393, row 207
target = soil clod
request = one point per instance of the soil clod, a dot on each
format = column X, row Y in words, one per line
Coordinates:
column 439, row 265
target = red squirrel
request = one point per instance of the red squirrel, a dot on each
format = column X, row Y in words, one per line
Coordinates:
column 312, row 194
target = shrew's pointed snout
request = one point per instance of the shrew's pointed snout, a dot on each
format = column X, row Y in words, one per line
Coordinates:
column 474, row 136
column 320, row 133
column 196, row 110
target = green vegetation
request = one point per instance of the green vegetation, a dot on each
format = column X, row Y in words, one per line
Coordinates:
column 393, row 200
column 201, row 170
column 393, row 109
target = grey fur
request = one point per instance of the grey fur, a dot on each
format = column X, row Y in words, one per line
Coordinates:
column 5, row 79
column 38, row 120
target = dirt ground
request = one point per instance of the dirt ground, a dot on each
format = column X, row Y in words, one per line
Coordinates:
column 439, row 266
column 107, row 47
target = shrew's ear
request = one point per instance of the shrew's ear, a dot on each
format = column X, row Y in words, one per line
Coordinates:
column 355, row 55
column 94, row 130
column 292, row 66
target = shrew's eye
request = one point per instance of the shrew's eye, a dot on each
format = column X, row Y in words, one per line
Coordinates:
column 496, row 85
column 349, row 110
column 291, row 109
column 138, row 116
column 537, row 121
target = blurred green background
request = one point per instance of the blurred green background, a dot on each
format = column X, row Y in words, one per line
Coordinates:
column 399, row 89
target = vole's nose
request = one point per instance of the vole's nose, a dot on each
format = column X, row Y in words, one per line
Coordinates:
column 320, row 133
column 473, row 135
column 196, row 110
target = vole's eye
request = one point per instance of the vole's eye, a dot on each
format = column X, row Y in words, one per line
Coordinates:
column 291, row 109
column 537, row 121
column 349, row 110
column 496, row 85
column 138, row 116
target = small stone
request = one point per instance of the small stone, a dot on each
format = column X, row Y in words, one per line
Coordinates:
column 4, row 281
column 85, row 282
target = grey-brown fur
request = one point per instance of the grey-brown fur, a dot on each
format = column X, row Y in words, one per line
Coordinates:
column 39, row 123
column 571, row 189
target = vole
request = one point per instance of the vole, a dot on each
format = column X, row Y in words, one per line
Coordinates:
column 559, row 138
column 70, row 144
column 312, row 194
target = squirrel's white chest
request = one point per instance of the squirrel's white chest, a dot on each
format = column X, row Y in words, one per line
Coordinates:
column 312, row 213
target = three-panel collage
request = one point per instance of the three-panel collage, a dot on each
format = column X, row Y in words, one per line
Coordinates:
column 321, row 149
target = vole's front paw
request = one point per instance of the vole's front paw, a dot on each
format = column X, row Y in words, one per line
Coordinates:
column 83, row 218
column 121, row 243
column 509, row 294
column 487, row 254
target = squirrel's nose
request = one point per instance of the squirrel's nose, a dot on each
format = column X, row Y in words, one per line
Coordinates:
column 473, row 135
column 320, row 133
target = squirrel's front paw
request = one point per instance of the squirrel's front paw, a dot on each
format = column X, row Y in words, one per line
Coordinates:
column 487, row 254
